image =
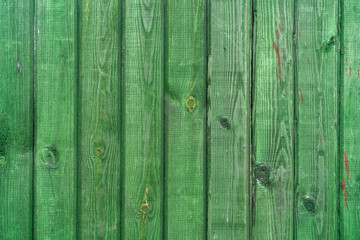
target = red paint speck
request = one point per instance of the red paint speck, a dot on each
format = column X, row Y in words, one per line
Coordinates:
column 308, row 62
column 346, row 60
column 302, row 100
column 345, row 191
column 347, row 165
column 344, row 48
column 279, row 27
column 350, row 72
column 264, row 195
column 278, row 55
column 345, row 6
column 299, row 34
column 277, row 34
column 320, row 136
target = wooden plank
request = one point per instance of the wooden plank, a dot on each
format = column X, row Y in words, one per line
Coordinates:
column 99, row 119
column 350, row 114
column 273, row 116
column 229, row 119
column 317, row 61
column 143, row 43
column 55, row 114
column 16, row 119
column 185, row 109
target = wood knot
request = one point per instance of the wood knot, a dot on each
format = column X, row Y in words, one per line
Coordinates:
column 191, row 103
column 50, row 157
column 309, row 204
column 99, row 149
column 144, row 209
column 225, row 123
column 2, row 160
column 263, row 173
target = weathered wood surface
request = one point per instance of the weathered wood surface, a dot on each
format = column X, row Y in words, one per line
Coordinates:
column 273, row 116
column 185, row 132
column 229, row 115
column 16, row 119
column 99, row 183
column 317, row 72
column 55, row 119
column 143, row 114
column 139, row 119
column 349, row 162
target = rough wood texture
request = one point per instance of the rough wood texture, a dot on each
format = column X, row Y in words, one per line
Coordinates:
column 99, row 119
column 317, row 60
column 273, row 116
column 185, row 119
column 55, row 114
column 350, row 113
column 143, row 43
column 16, row 119
column 229, row 119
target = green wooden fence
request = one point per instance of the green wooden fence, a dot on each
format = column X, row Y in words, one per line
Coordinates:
column 179, row 119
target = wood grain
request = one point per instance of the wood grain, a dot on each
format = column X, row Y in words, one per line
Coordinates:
column 143, row 66
column 317, row 60
column 185, row 137
column 349, row 162
column 56, row 122
column 273, row 116
column 229, row 119
column 16, row 119
column 99, row 119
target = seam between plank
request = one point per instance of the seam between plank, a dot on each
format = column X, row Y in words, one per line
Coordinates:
column 294, row 127
column 34, row 122
column 251, row 120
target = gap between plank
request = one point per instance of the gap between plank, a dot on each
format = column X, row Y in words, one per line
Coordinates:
column 34, row 122
column 294, row 126
column 251, row 119
column 340, row 93
column 164, row 205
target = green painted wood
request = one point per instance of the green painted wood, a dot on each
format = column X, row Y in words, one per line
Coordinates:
column 229, row 119
column 16, row 119
column 55, row 114
column 143, row 62
column 185, row 107
column 350, row 132
column 317, row 61
column 99, row 180
column 273, row 117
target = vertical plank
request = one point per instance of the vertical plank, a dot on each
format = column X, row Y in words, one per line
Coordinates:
column 317, row 61
column 350, row 115
column 273, row 116
column 55, row 114
column 99, row 119
column 185, row 119
column 16, row 119
column 143, row 43
column 229, row 119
